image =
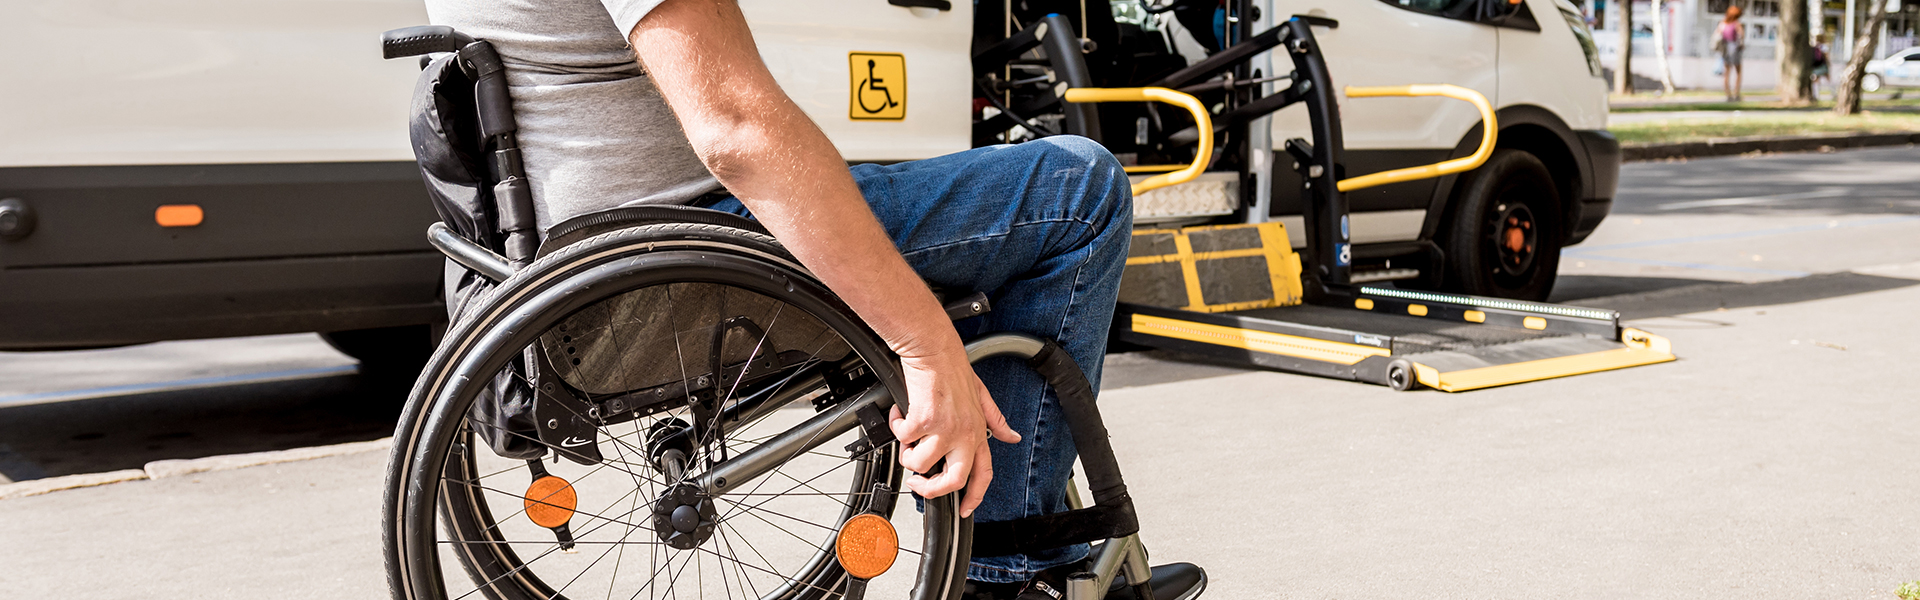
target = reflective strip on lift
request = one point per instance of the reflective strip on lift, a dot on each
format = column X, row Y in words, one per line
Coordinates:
column 1258, row 341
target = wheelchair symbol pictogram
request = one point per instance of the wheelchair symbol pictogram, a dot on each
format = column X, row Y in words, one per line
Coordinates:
column 879, row 86
column 874, row 84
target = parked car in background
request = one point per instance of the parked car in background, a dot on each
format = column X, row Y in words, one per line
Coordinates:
column 1902, row 69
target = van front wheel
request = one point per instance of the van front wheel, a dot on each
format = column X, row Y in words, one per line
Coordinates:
column 1504, row 239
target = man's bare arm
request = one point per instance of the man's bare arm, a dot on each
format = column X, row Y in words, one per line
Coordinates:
column 701, row 56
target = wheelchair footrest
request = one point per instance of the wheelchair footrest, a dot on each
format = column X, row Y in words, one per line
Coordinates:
column 1033, row 534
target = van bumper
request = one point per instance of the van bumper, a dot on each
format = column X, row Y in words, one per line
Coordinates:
column 1603, row 160
column 95, row 306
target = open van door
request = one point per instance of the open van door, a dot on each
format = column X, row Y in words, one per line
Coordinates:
column 1393, row 42
column 887, row 80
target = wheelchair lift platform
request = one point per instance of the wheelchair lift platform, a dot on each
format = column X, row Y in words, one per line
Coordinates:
column 1235, row 293
column 1238, row 292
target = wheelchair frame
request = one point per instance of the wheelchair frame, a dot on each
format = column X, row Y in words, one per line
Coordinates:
column 1109, row 521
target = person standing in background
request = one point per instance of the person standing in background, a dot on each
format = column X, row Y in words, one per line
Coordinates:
column 1820, row 64
column 1729, row 40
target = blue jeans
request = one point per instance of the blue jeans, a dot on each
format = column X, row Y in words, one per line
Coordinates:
column 1042, row 228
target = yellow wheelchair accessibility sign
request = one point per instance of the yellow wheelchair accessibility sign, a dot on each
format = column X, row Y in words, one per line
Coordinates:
column 879, row 86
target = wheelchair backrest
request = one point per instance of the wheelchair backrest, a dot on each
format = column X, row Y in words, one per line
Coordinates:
column 451, row 151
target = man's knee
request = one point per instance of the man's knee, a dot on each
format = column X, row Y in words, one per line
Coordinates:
column 1103, row 180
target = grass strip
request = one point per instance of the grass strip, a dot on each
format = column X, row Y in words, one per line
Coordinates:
column 1771, row 124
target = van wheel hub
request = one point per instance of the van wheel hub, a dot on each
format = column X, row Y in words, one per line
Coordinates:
column 1515, row 235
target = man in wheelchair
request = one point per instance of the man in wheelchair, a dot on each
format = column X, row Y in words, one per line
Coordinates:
column 667, row 102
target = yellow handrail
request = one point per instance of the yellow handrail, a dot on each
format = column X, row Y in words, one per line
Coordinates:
column 1201, row 158
column 1489, row 129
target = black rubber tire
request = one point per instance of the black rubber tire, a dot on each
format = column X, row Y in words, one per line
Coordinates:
column 402, row 350
column 498, row 325
column 1503, row 238
column 1400, row 376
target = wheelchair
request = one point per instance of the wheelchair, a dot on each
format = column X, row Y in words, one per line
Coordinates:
column 645, row 392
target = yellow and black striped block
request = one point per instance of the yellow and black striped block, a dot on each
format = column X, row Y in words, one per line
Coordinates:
column 1215, row 268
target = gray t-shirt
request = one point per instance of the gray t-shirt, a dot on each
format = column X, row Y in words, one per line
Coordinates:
column 594, row 132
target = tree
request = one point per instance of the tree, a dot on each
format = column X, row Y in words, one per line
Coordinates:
column 1795, row 55
column 1660, row 45
column 1623, row 75
column 1846, row 100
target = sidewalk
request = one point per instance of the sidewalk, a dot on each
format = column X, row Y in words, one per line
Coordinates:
column 1773, row 460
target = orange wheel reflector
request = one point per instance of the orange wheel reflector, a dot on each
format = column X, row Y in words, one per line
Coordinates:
column 867, row 546
column 550, row 502
column 178, row 215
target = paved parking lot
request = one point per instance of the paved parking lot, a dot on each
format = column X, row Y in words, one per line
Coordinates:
column 1776, row 459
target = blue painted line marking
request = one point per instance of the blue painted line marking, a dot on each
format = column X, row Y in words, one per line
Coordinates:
column 1742, row 234
column 134, row 388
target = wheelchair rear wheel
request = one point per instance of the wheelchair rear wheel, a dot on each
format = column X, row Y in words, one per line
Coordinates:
column 668, row 355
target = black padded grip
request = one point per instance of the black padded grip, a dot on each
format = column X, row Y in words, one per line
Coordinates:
column 1112, row 514
column 422, row 39
column 1083, row 418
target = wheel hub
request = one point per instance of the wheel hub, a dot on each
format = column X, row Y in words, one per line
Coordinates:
column 1515, row 236
column 683, row 517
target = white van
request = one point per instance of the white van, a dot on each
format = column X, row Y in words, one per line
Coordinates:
column 213, row 168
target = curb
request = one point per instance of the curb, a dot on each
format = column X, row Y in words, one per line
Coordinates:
column 162, row 469
column 1736, row 146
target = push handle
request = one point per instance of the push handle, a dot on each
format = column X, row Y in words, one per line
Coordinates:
column 422, row 39
column 1202, row 157
column 1489, row 131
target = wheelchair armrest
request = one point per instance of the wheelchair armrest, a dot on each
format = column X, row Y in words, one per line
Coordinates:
column 961, row 305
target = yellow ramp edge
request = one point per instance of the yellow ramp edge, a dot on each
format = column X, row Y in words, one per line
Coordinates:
column 1258, row 341
column 1642, row 349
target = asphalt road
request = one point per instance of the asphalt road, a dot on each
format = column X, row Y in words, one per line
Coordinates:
column 1777, row 458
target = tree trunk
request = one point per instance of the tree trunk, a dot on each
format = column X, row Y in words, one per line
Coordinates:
column 1846, row 100
column 1794, row 52
column 1623, row 73
column 1660, row 46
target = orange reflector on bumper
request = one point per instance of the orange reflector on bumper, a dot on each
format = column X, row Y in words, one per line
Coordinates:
column 178, row 215
column 550, row 502
column 867, row 546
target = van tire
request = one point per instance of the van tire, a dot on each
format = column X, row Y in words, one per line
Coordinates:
column 1504, row 238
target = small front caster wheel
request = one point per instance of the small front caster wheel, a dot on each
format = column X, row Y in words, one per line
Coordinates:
column 1400, row 375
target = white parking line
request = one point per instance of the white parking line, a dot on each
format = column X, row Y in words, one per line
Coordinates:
column 1831, row 192
column 168, row 386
